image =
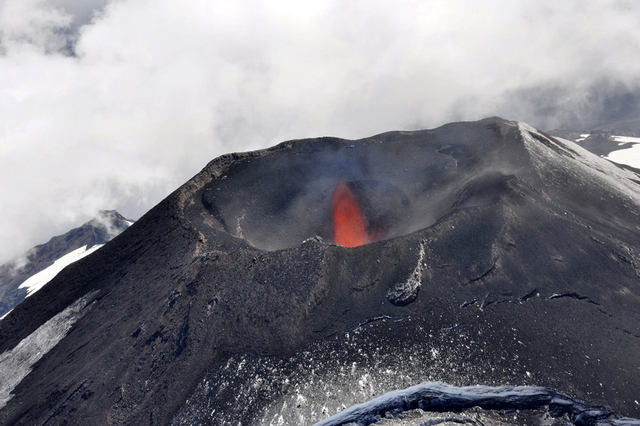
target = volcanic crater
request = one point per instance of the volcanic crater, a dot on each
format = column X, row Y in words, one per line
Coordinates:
column 390, row 185
column 488, row 253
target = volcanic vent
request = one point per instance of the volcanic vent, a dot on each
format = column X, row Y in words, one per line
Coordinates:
column 352, row 192
column 497, row 256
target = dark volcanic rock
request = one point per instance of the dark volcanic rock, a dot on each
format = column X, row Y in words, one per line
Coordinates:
column 505, row 257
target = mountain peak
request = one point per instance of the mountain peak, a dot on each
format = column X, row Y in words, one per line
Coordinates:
column 109, row 213
column 109, row 216
column 487, row 253
column 109, row 224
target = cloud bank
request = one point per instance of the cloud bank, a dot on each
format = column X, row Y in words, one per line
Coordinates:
column 113, row 104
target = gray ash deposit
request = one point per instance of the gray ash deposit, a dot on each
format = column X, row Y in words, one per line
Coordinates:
column 487, row 256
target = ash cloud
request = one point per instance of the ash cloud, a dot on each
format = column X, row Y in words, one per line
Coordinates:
column 113, row 104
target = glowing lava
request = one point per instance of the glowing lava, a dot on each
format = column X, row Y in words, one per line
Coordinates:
column 350, row 227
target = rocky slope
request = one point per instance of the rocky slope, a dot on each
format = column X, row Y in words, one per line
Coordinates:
column 496, row 255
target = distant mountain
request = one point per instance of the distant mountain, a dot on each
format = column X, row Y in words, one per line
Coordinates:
column 616, row 143
column 629, row 127
column 24, row 276
column 481, row 273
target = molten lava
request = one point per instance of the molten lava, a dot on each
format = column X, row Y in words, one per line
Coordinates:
column 350, row 227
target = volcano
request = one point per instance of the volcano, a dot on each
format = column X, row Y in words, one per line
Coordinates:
column 480, row 273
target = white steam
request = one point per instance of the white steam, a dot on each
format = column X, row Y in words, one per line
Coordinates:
column 115, row 108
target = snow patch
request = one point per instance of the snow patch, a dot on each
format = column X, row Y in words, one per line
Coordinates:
column 583, row 137
column 406, row 292
column 626, row 139
column 415, row 279
column 240, row 218
column 16, row 363
column 629, row 156
column 37, row 281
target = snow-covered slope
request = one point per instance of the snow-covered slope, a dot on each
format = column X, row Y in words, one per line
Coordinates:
column 22, row 278
column 629, row 156
column 37, row 281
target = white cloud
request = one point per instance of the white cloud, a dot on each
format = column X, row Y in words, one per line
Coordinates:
column 158, row 88
column 33, row 23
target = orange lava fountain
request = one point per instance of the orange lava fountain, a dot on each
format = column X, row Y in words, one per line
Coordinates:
column 350, row 227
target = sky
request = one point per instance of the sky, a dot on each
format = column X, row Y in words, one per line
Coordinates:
column 113, row 104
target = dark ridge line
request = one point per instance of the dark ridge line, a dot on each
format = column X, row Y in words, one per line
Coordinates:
column 573, row 295
column 381, row 318
column 403, row 319
column 487, row 302
column 74, row 395
column 628, row 332
column 370, row 320
column 469, row 303
column 491, row 302
column 526, row 297
column 489, row 271
column 554, row 145
column 442, row 397
column 561, row 295
column 605, row 312
column 559, row 143
column 433, row 422
column 453, row 327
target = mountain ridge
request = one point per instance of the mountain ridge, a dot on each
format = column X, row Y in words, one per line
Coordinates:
column 99, row 230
